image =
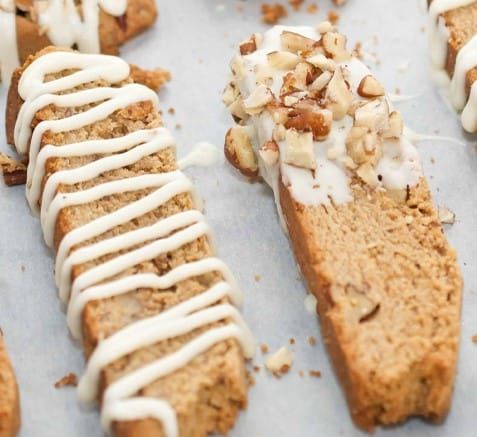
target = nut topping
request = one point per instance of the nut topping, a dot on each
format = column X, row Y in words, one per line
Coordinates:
column 363, row 146
column 269, row 153
column 264, row 74
column 324, row 27
column 237, row 67
column 299, row 149
column 369, row 87
column 317, row 122
column 294, row 42
column 283, row 60
column 238, row 111
column 230, row 94
column 338, row 95
column 334, row 44
column 396, row 126
column 373, row 115
column 248, row 46
column 322, row 62
column 239, row 150
column 256, row 102
column 321, row 81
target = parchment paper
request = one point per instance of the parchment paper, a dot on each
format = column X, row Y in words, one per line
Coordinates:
column 196, row 40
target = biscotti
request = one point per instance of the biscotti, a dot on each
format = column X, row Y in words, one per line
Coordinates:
column 90, row 26
column 317, row 126
column 135, row 262
column 9, row 399
column 453, row 41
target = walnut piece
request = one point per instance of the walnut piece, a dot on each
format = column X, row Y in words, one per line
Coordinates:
column 334, row 44
column 14, row 172
column 369, row 87
column 294, row 42
column 318, row 122
column 299, row 150
column 239, row 150
column 280, row 362
column 338, row 95
column 255, row 103
column 283, row 60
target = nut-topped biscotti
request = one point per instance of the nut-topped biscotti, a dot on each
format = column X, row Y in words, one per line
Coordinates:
column 453, row 40
column 135, row 263
column 9, row 398
column 91, row 26
column 317, row 126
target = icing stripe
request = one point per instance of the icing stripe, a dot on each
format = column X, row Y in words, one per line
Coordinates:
column 168, row 234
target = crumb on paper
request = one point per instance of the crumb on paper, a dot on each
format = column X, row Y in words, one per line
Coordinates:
column 153, row 79
column 403, row 66
column 264, row 348
column 171, row 111
column 339, row 2
column 257, row 278
column 250, row 379
column 23, row 268
column 256, row 369
column 296, row 4
column 474, row 338
column 301, row 373
column 272, row 13
column 311, row 340
column 358, row 50
column 397, row 91
column 68, row 380
column 292, row 341
column 312, row 8
column 333, row 17
column 446, row 216
column 279, row 362
column 178, row 126
column 315, row 373
column 433, row 160
column 310, row 303
column 14, row 171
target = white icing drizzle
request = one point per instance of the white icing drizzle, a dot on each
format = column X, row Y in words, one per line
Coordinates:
column 64, row 24
column 399, row 165
column 465, row 61
column 8, row 43
column 203, row 154
column 67, row 26
column 108, row 279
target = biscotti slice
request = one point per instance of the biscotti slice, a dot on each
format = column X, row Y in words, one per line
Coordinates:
column 453, row 40
column 89, row 26
column 135, row 263
column 9, row 398
column 317, row 126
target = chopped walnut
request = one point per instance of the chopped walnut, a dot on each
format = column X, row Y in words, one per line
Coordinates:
column 280, row 362
column 68, row 380
column 239, row 151
column 446, row 216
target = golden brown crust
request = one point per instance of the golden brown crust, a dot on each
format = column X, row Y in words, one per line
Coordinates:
column 401, row 388
column 9, row 398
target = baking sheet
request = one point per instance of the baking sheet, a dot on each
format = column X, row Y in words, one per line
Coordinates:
column 195, row 40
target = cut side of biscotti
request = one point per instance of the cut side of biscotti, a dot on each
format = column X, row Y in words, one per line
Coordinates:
column 95, row 26
column 314, row 122
column 9, row 398
column 453, row 40
column 152, row 305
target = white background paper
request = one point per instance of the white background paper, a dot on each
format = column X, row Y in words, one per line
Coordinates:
column 196, row 40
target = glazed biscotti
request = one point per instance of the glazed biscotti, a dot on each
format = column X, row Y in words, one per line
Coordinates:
column 9, row 399
column 453, row 40
column 317, row 126
column 90, row 26
column 135, row 265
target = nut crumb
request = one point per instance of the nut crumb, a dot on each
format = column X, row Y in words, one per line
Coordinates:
column 339, row 2
column 153, row 79
column 171, row 111
column 315, row 373
column 23, row 268
column 256, row 369
column 178, row 126
column 312, row 8
column 68, row 380
column 272, row 13
column 264, row 348
column 257, row 278
column 280, row 362
column 291, row 341
column 433, row 160
column 296, row 4
column 474, row 338
column 333, row 17
column 301, row 373
column 311, row 340
column 446, row 216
